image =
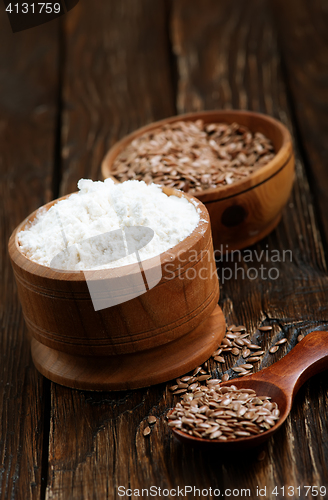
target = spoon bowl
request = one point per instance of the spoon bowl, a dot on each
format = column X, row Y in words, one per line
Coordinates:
column 280, row 381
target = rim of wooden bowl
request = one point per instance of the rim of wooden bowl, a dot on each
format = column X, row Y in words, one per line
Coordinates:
column 262, row 175
column 25, row 263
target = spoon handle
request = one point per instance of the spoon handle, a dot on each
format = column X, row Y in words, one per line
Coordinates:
column 307, row 358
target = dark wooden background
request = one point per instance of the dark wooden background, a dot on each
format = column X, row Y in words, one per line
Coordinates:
column 68, row 90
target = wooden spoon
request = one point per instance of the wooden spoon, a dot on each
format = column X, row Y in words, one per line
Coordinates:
column 281, row 381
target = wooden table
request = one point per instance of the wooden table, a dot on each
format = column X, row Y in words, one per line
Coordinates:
column 68, row 90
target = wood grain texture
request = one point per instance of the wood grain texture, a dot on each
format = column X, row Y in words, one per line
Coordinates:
column 117, row 77
column 227, row 56
column 240, row 58
column 302, row 28
column 28, row 94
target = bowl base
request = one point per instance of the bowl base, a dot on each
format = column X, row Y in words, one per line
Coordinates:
column 134, row 370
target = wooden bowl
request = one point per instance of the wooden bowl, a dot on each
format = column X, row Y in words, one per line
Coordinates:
column 149, row 339
column 246, row 211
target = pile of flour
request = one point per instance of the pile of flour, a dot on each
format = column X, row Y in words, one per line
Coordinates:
column 101, row 207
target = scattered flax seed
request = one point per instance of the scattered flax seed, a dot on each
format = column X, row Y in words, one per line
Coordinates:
column 273, row 349
column 300, row 337
column 239, row 342
column 246, row 352
column 240, row 328
column 265, row 328
column 217, row 352
column 247, row 366
column 239, row 369
column 180, row 391
column 219, row 359
column 225, row 377
column 213, row 381
column 235, row 351
column 253, row 347
column 281, row 341
column 146, row 431
column 174, row 387
column 254, row 359
column 152, row 419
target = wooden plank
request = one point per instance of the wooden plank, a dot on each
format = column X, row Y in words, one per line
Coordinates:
column 234, row 62
column 226, row 55
column 117, row 77
column 302, row 28
column 28, row 96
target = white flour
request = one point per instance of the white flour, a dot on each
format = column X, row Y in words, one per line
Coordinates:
column 101, row 207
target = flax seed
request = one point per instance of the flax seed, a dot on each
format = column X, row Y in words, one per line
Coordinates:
column 181, row 385
column 265, row 328
column 219, row 359
column 281, row 341
column 217, row 353
column 238, row 369
column 203, row 377
column 240, row 328
column 239, row 342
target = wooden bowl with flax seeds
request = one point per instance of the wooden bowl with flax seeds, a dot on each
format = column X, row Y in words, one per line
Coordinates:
column 240, row 164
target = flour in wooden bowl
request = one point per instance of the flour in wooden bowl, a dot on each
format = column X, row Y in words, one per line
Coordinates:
column 102, row 209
